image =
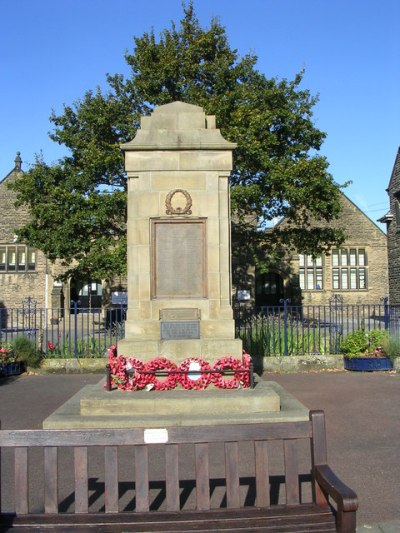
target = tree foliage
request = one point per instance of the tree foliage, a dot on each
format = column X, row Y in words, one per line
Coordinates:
column 78, row 205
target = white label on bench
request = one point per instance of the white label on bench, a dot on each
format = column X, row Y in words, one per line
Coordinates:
column 155, row 436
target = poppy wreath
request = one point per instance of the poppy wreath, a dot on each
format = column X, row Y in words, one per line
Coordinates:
column 197, row 384
column 134, row 368
column 161, row 363
column 126, row 373
column 228, row 363
column 117, row 370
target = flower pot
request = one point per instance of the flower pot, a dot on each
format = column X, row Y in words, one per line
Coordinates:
column 367, row 364
column 11, row 369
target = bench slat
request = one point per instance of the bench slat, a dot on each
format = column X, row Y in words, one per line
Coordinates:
column 134, row 436
column 232, row 475
column 299, row 519
column 202, row 477
column 50, row 480
column 172, row 477
column 111, row 479
column 81, row 479
column 262, row 474
column 21, row 480
column 142, row 478
column 319, row 451
column 291, row 472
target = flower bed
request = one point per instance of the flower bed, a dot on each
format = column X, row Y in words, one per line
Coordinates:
column 130, row 373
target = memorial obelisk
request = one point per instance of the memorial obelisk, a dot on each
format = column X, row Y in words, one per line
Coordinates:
column 179, row 248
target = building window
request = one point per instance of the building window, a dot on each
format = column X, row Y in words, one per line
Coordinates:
column 311, row 273
column 349, row 269
column 17, row 258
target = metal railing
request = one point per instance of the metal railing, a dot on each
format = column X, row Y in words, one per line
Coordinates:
column 74, row 332
column 310, row 329
column 269, row 331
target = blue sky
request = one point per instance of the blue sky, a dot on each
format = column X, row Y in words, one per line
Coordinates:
column 52, row 51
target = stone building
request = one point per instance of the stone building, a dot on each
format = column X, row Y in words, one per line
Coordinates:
column 357, row 271
column 392, row 220
column 24, row 271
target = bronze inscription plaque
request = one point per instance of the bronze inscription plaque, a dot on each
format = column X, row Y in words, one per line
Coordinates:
column 179, row 330
column 178, row 258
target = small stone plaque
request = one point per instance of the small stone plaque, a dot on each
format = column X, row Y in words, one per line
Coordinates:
column 180, row 313
column 180, row 329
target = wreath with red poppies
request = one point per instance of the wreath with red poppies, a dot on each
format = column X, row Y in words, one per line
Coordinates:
column 126, row 373
column 134, row 368
column 233, row 365
column 197, row 383
column 161, row 363
column 130, row 373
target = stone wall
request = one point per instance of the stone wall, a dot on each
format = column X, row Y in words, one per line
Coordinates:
column 393, row 223
column 360, row 232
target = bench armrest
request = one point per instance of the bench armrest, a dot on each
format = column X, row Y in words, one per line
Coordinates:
column 345, row 498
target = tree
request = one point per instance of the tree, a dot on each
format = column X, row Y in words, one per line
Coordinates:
column 78, row 206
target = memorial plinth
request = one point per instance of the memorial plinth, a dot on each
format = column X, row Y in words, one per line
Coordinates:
column 178, row 230
column 93, row 407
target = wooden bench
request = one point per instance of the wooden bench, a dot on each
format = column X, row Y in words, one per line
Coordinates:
column 238, row 477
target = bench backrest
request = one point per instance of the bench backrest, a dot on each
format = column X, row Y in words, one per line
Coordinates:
column 171, row 443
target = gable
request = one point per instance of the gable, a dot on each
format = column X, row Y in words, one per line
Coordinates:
column 356, row 224
column 358, row 227
column 12, row 218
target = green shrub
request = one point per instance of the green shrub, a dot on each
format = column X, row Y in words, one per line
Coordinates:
column 391, row 347
column 266, row 338
column 26, row 352
column 377, row 337
column 361, row 342
column 91, row 347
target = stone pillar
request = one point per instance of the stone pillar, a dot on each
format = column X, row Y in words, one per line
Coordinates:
column 179, row 258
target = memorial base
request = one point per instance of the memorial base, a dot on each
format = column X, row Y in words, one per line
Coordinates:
column 179, row 350
column 94, row 407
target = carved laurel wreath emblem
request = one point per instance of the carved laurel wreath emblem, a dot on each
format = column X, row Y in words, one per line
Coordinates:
column 172, row 198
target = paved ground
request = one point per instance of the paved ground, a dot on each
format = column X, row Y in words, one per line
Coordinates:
column 362, row 413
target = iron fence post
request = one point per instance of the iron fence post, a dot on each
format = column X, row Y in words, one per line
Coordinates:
column 336, row 300
column 108, row 378
column 285, row 325
column 386, row 312
column 76, row 303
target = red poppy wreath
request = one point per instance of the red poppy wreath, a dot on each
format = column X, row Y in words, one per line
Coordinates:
column 228, row 363
column 194, row 381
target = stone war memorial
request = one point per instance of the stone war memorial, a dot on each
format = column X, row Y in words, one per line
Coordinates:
column 179, row 273
column 180, row 325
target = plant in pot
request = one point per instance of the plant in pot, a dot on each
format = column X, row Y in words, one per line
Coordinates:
column 8, row 364
column 367, row 351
